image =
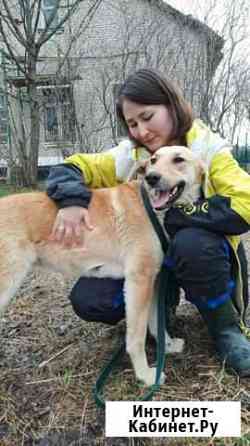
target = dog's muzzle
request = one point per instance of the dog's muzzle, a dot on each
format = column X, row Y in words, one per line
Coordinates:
column 162, row 196
column 153, row 178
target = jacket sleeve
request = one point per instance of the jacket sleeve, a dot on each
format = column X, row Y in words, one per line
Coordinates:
column 66, row 186
column 213, row 214
column 98, row 168
column 69, row 184
column 105, row 169
column 228, row 211
column 229, row 180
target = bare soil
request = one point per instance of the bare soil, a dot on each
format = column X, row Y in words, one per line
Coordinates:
column 50, row 359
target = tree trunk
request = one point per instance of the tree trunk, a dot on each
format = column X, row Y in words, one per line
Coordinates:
column 34, row 140
column 34, row 136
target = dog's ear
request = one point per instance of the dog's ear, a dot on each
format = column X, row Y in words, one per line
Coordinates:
column 138, row 170
column 201, row 170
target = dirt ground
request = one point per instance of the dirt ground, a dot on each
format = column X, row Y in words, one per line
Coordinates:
column 49, row 361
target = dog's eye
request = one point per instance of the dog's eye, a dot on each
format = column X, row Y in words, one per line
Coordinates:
column 153, row 159
column 178, row 159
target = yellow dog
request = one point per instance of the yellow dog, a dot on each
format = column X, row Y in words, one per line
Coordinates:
column 122, row 244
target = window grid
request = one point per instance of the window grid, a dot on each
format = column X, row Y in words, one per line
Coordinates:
column 3, row 120
column 59, row 121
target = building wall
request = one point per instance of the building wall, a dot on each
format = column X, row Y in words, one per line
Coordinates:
column 122, row 37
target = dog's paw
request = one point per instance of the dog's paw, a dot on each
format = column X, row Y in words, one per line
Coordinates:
column 175, row 345
column 150, row 375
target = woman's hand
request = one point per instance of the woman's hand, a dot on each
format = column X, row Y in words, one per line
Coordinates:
column 69, row 225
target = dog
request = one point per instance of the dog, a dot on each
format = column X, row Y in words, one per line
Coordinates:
column 122, row 244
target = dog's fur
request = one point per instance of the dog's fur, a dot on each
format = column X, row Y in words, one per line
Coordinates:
column 122, row 244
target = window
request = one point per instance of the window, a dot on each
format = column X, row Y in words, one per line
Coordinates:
column 3, row 120
column 59, row 116
column 49, row 9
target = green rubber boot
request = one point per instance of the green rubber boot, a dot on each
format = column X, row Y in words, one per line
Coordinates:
column 231, row 345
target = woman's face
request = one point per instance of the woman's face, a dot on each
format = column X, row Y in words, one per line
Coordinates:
column 150, row 125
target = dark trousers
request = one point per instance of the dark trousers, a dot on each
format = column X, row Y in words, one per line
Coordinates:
column 203, row 267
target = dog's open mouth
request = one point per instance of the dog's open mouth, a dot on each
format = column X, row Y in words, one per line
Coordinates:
column 162, row 199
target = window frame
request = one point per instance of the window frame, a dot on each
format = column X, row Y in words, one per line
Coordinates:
column 4, row 135
column 63, row 127
column 46, row 11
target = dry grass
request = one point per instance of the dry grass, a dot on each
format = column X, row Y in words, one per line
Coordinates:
column 50, row 361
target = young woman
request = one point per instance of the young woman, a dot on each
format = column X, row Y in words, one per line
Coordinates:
column 206, row 255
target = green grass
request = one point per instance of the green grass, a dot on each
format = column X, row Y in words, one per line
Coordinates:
column 7, row 189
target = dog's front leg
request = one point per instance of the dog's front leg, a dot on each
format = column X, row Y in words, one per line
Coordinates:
column 138, row 296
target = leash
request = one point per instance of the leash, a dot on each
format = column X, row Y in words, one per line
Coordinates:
column 154, row 220
column 165, row 290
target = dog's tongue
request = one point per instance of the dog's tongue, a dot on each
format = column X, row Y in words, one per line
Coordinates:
column 161, row 199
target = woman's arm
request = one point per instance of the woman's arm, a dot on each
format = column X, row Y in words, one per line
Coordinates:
column 95, row 170
column 70, row 184
column 66, row 186
column 214, row 214
column 227, row 212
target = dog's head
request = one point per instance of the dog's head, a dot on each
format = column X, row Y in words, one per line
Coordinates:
column 173, row 175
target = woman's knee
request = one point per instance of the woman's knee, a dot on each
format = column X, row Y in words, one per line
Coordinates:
column 195, row 245
column 201, row 261
column 98, row 300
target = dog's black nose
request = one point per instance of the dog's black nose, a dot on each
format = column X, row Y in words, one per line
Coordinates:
column 153, row 178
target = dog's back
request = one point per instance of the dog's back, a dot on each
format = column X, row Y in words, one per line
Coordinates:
column 26, row 215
